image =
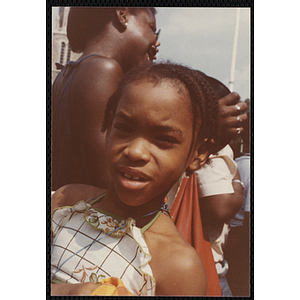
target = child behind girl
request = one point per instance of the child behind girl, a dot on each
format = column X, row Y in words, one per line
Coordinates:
column 160, row 123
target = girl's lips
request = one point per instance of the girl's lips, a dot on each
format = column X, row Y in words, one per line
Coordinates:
column 133, row 183
column 132, row 179
column 131, row 173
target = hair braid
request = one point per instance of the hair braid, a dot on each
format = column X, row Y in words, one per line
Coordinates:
column 205, row 105
column 210, row 126
column 203, row 99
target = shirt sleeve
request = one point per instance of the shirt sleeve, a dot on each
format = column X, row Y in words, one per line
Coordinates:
column 216, row 178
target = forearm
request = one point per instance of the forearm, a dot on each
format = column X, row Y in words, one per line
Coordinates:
column 219, row 209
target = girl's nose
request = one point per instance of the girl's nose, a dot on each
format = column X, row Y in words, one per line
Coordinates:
column 138, row 150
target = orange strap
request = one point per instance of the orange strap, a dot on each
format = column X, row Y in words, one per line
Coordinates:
column 187, row 218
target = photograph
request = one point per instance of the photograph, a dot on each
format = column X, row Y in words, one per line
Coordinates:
column 149, row 198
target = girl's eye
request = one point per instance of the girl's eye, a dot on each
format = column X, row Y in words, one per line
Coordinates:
column 123, row 127
column 166, row 140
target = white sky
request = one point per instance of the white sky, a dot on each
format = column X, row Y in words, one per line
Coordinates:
column 202, row 38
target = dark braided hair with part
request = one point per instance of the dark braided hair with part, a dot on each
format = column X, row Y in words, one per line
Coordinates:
column 203, row 99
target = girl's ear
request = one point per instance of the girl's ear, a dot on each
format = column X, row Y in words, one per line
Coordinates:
column 122, row 16
column 199, row 158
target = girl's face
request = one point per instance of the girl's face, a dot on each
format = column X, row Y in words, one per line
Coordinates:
column 149, row 143
column 141, row 37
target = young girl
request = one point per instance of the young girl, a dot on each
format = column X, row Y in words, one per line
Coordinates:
column 160, row 123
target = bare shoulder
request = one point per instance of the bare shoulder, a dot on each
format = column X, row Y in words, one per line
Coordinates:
column 176, row 265
column 95, row 81
column 98, row 67
column 70, row 194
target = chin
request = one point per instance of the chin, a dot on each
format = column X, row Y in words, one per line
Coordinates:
column 132, row 200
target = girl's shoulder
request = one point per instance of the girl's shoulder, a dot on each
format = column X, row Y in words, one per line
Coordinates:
column 164, row 235
column 175, row 263
column 70, row 194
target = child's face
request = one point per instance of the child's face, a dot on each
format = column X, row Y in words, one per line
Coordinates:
column 149, row 142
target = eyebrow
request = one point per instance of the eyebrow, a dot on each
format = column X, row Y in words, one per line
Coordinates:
column 158, row 128
column 166, row 129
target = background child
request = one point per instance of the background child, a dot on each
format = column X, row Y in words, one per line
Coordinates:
column 160, row 122
column 219, row 196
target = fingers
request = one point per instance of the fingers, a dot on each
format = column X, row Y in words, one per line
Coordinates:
column 241, row 107
column 231, row 116
column 233, row 132
column 230, row 99
column 230, row 134
column 233, row 121
column 232, row 109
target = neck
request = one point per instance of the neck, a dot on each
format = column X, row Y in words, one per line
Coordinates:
column 143, row 214
column 107, row 44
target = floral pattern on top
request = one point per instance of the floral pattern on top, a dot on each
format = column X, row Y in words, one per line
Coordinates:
column 107, row 224
column 90, row 245
column 93, row 277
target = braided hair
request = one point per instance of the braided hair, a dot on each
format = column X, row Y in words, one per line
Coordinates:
column 203, row 99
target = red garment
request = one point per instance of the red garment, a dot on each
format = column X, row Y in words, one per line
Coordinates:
column 187, row 218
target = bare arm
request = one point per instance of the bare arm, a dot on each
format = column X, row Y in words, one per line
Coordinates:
column 219, row 209
column 95, row 82
column 188, row 276
column 176, row 265
column 70, row 194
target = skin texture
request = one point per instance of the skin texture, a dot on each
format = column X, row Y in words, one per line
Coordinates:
column 144, row 141
column 228, row 121
column 127, row 41
column 219, row 209
column 152, row 129
column 182, row 258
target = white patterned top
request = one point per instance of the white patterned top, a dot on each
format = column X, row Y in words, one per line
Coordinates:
column 89, row 245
